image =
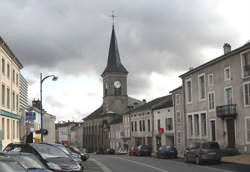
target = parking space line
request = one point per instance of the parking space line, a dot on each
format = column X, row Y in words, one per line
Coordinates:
column 101, row 165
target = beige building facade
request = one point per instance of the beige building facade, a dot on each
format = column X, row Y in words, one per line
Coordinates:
column 217, row 100
column 9, row 109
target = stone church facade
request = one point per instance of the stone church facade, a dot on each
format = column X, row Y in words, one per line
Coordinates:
column 96, row 126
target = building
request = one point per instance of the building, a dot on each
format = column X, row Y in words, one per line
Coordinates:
column 116, row 134
column 217, row 100
column 116, row 102
column 141, row 122
column 49, row 124
column 163, row 124
column 10, row 86
column 77, row 135
column 179, row 119
column 63, row 132
column 23, row 104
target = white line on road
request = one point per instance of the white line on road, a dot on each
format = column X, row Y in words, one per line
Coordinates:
column 101, row 165
column 143, row 164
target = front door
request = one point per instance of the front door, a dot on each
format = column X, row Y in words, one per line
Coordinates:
column 230, row 133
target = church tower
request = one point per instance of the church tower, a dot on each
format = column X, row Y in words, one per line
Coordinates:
column 115, row 98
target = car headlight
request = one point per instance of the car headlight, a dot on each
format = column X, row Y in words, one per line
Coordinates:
column 53, row 166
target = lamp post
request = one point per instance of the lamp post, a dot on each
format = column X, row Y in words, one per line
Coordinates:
column 54, row 78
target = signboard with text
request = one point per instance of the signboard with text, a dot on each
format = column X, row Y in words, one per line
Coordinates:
column 30, row 116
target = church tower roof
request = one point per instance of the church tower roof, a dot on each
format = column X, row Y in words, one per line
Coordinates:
column 114, row 62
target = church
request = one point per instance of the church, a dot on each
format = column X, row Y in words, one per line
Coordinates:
column 116, row 102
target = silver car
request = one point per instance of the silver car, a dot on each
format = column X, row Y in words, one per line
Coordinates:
column 200, row 152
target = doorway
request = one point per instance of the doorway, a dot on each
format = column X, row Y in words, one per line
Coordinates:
column 231, row 133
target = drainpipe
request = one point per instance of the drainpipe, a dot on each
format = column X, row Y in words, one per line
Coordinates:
column 184, row 107
column 152, row 127
column 173, row 99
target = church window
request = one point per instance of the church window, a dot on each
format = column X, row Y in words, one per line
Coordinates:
column 132, row 127
column 106, row 90
column 135, row 126
column 118, row 91
column 143, row 125
column 140, row 126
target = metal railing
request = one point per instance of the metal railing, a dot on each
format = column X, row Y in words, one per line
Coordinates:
column 226, row 111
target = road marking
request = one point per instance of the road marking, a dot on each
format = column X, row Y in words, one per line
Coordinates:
column 143, row 164
column 101, row 165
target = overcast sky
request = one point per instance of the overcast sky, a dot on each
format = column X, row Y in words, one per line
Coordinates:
column 158, row 40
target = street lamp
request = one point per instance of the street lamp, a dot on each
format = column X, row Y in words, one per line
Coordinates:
column 54, row 78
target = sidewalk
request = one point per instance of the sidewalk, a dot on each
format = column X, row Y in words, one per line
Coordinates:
column 240, row 159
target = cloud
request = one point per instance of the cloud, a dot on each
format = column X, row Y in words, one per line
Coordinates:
column 71, row 38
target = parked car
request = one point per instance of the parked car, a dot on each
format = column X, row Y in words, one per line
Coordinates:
column 73, row 155
column 132, row 151
column 84, row 155
column 110, row 151
column 52, row 157
column 166, row 152
column 203, row 152
column 21, row 162
column 143, row 150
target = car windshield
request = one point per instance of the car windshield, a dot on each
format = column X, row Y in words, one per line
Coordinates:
column 210, row 145
column 48, row 151
column 64, row 149
column 75, row 149
column 11, row 166
column 29, row 162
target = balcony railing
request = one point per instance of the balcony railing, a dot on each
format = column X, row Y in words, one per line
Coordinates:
column 226, row 111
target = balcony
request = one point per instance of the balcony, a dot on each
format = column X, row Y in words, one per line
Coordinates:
column 226, row 111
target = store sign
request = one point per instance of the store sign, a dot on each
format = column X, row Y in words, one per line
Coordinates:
column 30, row 116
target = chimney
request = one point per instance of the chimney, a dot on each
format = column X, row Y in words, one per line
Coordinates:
column 227, row 48
column 190, row 68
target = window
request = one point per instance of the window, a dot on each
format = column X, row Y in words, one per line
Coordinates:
column 143, row 125
column 135, row 126
column 148, row 125
column 3, row 95
column 178, row 137
column 13, row 75
column 190, row 125
column 245, row 60
column 178, row 117
column 13, row 129
column 118, row 91
column 210, row 79
column 13, row 100
column 247, row 130
column 17, row 103
column 8, row 98
column 3, row 66
column 106, row 90
column 227, row 73
column 196, row 125
column 189, row 90
column 228, row 95
column 17, row 80
column 8, row 71
column 140, row 125
column 132, row 127
column 169, row 124
column 3, row 128
column 203, row 124
column 177, row 99
column 246, row 93
column 201, row 86
column 8, row 129
column 211, row 103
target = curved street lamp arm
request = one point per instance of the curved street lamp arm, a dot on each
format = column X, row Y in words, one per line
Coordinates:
column 47, row 77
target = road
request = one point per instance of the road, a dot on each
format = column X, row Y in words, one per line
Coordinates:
column 124, row 163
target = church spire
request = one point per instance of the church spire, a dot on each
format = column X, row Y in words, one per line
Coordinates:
column 114, row 63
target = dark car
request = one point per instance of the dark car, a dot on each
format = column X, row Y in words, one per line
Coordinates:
column 166, row 152
column 131, row 151
column 203, row 152
column 143, row 150
column 84, row 155
column 110, row 151
column 21, row 162
column 52, row 157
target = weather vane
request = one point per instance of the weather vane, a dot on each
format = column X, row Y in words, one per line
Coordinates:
column 113, row 16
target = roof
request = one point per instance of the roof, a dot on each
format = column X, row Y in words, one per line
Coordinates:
column 167, row 102
column 95, row 113
column 220, row 58
column 154, row 103
column 114, row 63
column 10, row 53
column 180, row 87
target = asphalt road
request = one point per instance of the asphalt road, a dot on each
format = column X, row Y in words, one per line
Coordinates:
column 124, row 163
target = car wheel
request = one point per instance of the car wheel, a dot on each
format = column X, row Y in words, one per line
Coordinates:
column 197, row 160
column 186, row 159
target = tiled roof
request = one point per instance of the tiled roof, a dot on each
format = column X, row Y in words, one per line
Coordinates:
column 167, row 102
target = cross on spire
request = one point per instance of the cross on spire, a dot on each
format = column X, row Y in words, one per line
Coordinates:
column 113, row 17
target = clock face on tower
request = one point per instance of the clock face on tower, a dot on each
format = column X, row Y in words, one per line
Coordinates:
column 117, row 84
